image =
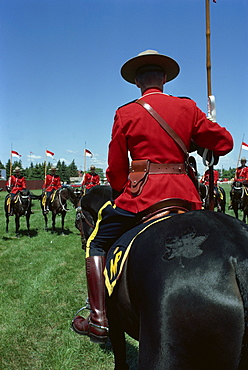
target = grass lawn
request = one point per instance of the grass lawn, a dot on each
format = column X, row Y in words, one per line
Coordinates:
column 42, row 286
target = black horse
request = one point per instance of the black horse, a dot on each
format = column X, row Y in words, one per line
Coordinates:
column 245, row 202
column 183, row 293
column 219, row 197
column 236, row 195
column 58, row 205
column 22, row 203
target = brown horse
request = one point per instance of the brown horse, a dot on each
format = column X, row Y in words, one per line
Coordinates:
column 58, row 205
column 21, row 207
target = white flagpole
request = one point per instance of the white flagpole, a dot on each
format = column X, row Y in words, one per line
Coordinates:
column 240, row 150
column 85, row 158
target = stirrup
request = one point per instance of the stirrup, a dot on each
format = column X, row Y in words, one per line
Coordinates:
column 86, row 307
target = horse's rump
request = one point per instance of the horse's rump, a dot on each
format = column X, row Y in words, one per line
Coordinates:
column 184, row 287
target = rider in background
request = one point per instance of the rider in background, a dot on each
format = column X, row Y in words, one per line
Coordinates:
column 137, row 135
column 90, row 179
column 241, row 176
column 205, row 180
column 15, row 184
column 52, row 183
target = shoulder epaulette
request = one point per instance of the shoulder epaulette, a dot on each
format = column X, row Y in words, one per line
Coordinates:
column 127, row 103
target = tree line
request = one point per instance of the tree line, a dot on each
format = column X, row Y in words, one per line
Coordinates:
column 37, row 171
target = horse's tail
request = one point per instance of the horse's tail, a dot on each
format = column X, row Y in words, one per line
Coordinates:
column 242, row 281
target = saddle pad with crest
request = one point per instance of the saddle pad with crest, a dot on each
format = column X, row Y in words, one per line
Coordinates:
column 119, row 251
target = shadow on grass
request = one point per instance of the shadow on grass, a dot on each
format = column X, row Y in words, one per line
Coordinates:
column 31, row 234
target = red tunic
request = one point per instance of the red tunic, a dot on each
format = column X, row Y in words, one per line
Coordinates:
column 52, row 182
column 206, row 177
column 91, row 180
column 16, row 183
column 136, row 133
column 241, row 174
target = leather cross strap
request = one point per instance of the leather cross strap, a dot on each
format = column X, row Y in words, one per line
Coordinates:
column 164, row 125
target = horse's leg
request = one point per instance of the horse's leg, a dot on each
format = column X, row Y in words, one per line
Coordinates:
column 117, row 338
column 7, row 222
column 53, row 221
column 63, row 213
column 17, row 222
column 28, row 221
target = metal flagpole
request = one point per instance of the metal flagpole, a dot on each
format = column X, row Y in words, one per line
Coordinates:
column 210, row 100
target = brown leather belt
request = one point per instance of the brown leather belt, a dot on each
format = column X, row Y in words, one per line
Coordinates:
column 157, row 168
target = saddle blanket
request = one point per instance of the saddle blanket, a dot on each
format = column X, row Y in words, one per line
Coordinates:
column 119, row 251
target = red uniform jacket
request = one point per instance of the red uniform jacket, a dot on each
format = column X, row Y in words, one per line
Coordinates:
column 91, row 180
column 52, row 182
column 135, row 132
column 206, row 177
column 16, row 183
column 241, row 174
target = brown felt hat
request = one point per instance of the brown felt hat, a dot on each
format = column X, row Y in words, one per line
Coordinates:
column 149, row 58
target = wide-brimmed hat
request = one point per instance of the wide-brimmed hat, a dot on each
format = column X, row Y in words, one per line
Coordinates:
column 149, row 58
column 17, row 169
column 53, row 168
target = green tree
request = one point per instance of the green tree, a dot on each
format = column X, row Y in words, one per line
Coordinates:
column 73, row 171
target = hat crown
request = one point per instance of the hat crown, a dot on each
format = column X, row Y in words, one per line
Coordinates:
column 149, row 52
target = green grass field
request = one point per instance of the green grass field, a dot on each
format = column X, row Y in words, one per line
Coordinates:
column 42, row 286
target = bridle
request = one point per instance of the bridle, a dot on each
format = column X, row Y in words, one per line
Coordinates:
column 80, row 217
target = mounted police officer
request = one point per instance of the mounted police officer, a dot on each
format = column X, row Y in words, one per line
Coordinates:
column 52, row 183
column 158, row 164
column 90, row 179
column 15, row 184
column 241, row 176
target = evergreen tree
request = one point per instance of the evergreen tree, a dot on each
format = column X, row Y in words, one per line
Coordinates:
column 73, row 172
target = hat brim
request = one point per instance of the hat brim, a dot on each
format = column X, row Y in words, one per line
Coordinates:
column 169, row 65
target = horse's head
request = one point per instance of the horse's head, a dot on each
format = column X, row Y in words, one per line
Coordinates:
column 88, row 207
column 72, row 196
column 237, row 185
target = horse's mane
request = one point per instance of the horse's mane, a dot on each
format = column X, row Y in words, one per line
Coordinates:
column 95, row 199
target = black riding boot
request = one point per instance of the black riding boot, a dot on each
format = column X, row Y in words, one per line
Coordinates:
column 96, row 324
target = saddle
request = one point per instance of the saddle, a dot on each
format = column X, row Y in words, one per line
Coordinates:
column 165, row 207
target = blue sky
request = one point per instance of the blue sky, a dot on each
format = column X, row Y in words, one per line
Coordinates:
column 60, row 69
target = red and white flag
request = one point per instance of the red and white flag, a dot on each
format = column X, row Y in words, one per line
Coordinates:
column 88, row 153
column 15, row 154
column 244, row 146
column 49, row 154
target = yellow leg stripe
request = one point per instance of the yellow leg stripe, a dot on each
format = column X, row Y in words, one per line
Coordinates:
column 95, row 231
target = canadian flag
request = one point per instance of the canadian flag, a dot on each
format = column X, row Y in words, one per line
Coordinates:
column 88, row 153
column 49, row 154
column 244, row 146
column 15, row 154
